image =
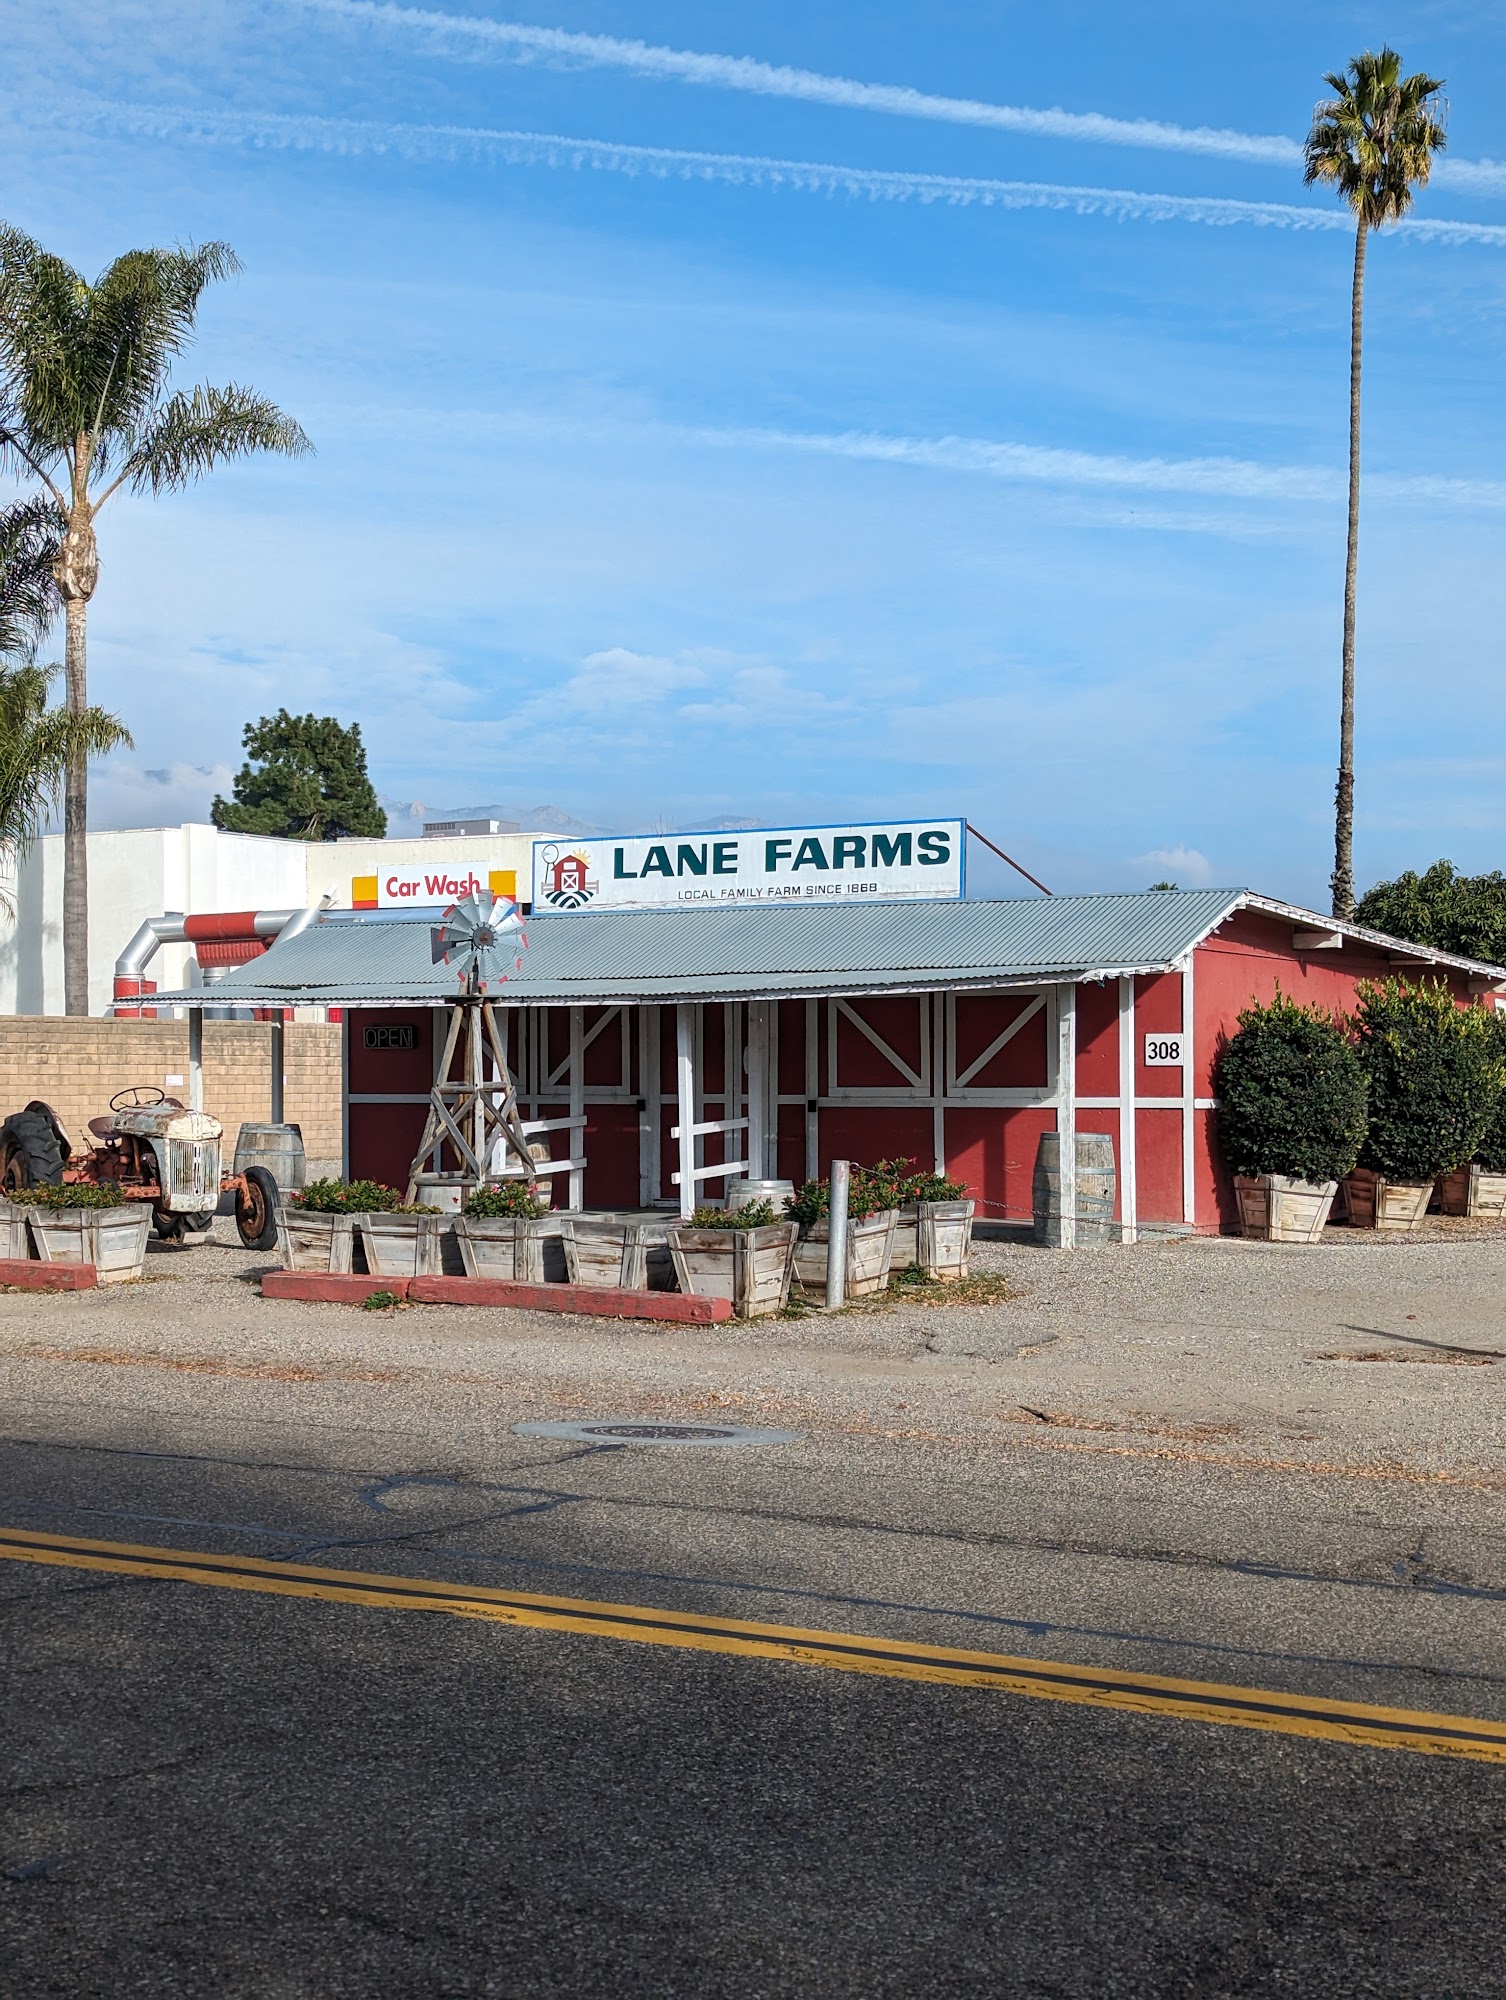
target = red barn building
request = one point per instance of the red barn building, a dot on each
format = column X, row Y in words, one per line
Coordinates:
column 952, row 1032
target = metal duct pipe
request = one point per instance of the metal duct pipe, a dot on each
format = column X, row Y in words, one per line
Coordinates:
column 226, row 926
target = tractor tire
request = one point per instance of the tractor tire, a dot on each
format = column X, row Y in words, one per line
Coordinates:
column 30, row 1155
column 256, row 1210
column 175, row 1227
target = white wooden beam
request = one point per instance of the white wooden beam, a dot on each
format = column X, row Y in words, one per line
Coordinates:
column 686, row 1095
column 1129, row 1201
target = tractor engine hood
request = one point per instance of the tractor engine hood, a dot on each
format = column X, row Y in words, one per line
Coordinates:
column 165, row 1121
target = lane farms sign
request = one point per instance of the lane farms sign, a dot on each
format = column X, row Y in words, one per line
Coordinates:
column 786, row 864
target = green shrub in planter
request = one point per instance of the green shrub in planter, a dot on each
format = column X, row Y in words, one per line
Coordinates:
column 1291, row 1094
column 70, row 1194
column 868, row 1193
column 354, row 1198
column 1435, row 1071
column 912, row 1185
column 753, row 1215
column 509, row 1198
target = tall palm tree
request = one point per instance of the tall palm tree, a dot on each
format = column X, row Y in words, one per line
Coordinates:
column 85, row 407
column 1373, row 141
column 37, row 740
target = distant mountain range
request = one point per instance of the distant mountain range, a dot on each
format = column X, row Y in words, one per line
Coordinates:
column 406, row 817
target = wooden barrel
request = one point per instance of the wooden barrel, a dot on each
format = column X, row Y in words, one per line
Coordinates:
column 278, row 1148
column 742, row 1193
column 1095, row 1190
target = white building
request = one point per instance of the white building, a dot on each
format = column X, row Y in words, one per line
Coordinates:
column 197, row 870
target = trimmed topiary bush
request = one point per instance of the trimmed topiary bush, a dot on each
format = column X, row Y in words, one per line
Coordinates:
column 1435, row 1072
column 1291, row 1094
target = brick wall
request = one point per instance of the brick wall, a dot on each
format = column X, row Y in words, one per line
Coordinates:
column 76, row 1065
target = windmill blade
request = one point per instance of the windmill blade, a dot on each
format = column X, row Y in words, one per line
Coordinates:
column 483, row 938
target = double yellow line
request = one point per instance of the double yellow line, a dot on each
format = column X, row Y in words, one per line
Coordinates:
column 893, row 1659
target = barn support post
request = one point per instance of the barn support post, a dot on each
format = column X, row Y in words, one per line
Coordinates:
column 812, row 1091
column 1066, row 1109
column 278, row 1059
column 685, row 1094
column 577, row 1104
column 1128, row 1073
column 759, row 1123
column 196, row 1058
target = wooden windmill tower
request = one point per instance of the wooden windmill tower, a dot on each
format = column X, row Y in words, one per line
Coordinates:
column 476, row 1115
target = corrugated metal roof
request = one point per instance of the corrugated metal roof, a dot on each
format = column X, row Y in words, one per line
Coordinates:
column 762, row 951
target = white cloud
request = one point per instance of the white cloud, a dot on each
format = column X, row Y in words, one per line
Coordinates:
column 123, row 793
column 1183, row 865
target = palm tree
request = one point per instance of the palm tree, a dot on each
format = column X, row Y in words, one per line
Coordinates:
column 1373, row 141
column 84, row 406
column 36, row 740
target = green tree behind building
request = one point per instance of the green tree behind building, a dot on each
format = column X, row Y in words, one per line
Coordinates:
column 1465, row 914
column 304, row 779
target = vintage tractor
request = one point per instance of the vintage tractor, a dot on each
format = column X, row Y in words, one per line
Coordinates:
column 153, row 1150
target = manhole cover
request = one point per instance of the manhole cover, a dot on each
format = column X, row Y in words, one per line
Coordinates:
column 643, row 1430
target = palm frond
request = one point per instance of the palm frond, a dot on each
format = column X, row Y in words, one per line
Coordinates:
column 1374, row 140
column 29, row 536
column 200, row 428
column 37, row 743
column 91, row 361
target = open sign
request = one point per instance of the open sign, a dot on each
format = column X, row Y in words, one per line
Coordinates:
column 403, row 1036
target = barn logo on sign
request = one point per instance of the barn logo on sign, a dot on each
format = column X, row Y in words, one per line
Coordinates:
column 567, row 884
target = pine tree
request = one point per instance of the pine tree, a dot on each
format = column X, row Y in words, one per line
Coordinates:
column 305, row 779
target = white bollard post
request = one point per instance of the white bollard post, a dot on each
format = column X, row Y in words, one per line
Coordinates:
column 836, row 1245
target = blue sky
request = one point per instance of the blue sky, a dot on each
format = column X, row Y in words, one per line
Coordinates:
column 945, row 471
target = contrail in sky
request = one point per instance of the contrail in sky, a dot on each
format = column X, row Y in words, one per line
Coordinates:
column 779, row 80
column 1014, row 463
column 468, row 33
column 448, row 143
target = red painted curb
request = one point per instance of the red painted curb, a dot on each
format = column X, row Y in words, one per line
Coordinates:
column 38, row 1277
column 337, row 1288
column 597, row 1301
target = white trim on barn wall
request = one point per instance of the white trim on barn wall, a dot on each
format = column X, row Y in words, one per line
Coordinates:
column 935, row 1085
column 1189, row 1097
column 1129, row 1231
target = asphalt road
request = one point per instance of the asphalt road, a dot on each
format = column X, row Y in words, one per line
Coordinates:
column 219, row 1791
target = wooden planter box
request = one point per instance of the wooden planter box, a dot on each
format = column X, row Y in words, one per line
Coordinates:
column 401, row 1246
column 311, row 1241
column 1274, row 1208
column 617, row 1251
column 935, row 1235
column 527, row 1250
column 15, row 1236
column 870, row 1253
column 1373, row 1202
column 1469, row 1190
column 752, row 1267
column 113, row 1240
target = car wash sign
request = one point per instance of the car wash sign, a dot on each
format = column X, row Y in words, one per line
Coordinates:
column 870, row 861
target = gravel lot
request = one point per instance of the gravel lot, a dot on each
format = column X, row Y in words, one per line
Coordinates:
column 1368, row 1355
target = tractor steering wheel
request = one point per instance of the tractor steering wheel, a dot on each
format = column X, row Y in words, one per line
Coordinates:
column 139, row 1097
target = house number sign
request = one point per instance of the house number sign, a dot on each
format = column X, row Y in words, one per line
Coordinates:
column 1165, row 1051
